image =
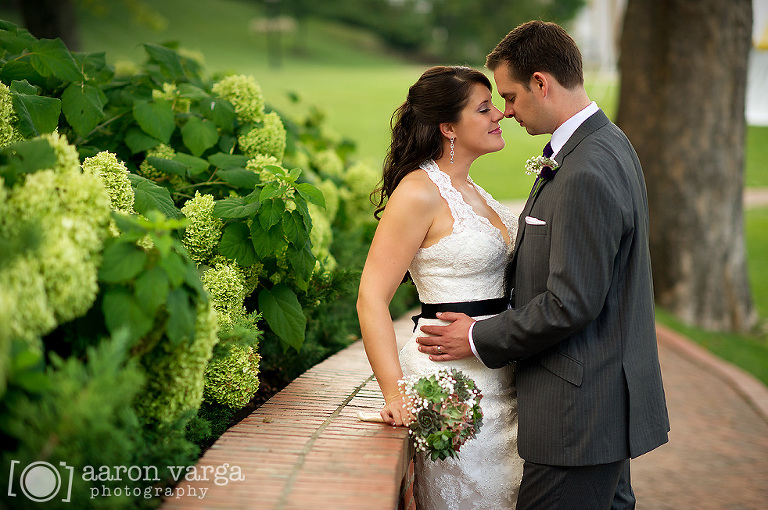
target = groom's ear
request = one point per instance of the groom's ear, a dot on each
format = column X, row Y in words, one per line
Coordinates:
column 540, row 82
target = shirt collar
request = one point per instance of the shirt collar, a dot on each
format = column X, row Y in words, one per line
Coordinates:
column 567, row 128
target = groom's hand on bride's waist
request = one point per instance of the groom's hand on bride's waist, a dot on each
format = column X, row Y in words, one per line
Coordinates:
column 449, row 342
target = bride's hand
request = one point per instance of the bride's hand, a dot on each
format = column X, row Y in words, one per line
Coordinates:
column 395, row 412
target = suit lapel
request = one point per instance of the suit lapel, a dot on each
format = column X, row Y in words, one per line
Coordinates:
column 589, row 126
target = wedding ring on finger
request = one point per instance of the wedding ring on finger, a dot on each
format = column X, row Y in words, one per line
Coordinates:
column 439, row 349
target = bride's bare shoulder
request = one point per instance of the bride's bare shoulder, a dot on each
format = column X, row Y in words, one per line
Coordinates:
column 417, row 187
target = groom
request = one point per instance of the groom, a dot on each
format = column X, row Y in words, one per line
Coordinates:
column 581, row 328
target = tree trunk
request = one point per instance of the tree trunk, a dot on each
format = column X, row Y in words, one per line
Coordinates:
column 684, row 68
column 50, row 19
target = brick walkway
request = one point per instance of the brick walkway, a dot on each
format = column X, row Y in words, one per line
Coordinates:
column 314, row 454
column 717, row 456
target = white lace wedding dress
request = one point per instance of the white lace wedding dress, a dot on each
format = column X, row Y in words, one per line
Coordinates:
column 468, row 265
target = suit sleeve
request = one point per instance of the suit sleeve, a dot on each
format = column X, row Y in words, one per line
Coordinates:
column 586, row 231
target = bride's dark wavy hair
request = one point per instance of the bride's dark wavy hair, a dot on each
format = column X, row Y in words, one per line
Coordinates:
column 438, row 96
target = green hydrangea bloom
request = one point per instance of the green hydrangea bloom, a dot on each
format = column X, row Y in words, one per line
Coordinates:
column 201, row 237
column 22, row 280
column 125, row 68
column 245, row 95
column 114, row 175
column 267, row 140
column 9, row 133
column 226, row 285
column 257, row 165
column 331, row 194
column 171, row 94
column 72, row 289
column 67, row 158
column 321, row 236
column 55, row 281
column 361, row 179
column 328, row 163
column 178, row 373
column 251, row 274
column 233, row 378
column 150, row 172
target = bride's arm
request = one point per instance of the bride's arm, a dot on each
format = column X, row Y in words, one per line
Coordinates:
column 404, row 225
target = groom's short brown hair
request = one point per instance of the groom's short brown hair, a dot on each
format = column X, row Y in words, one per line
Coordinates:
column 539, row 46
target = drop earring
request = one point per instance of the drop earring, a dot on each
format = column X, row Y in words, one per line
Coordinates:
column 452, row 152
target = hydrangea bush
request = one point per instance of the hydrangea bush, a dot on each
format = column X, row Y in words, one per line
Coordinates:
column 219, row 240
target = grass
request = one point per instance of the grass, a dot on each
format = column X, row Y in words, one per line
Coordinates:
column 358, row 84
column 757, row 250
column 748, row 351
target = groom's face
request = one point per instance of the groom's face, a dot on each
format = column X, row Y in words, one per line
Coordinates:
column 520, row 102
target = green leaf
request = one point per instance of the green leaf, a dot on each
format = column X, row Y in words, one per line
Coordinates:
column 181, row 317
column 294, row 174
column 122, row 262
column 301, row 207
column 189, row 91
column 168, row 166
column 175, row 267
column 271, row 212
column 271, row 190
column 192, row 278
column 138, row 141
column 226, row 161
column 236, row 244
column 194, row 165
column 83, row 107
column 234, row 208
column 95, row 67
column 24, row 87
column 151, row 289
column 26, row 156
column 151, row 197
column 303, row 263
column 311, row 194
column 37, row 114
column 19, row 70
column 155, row 118
column 220, row 112
column 267, row 242
column 168, row 59
column 50, row 57
column 199, row 135
column 123, row 313
column 282, row 311
column 239, row 178
column 33, row 382
column 294, row 228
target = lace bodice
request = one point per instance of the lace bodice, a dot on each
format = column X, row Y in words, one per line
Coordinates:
column 468, row 264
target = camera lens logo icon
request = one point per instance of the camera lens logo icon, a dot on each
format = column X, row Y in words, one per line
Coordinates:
column 40, row 481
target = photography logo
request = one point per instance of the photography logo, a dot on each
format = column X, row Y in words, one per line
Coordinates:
column 40, row 481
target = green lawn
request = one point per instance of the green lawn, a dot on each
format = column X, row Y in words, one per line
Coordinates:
column 749, row 352
column 358, row 84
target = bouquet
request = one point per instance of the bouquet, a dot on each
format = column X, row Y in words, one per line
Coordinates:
column 446, row 411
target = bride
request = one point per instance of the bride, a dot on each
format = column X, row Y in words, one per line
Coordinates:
column 453, row 239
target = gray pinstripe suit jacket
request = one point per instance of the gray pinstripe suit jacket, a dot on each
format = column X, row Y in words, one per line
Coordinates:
column 582, row 324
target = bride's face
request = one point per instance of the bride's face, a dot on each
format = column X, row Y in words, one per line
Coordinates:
column 478, row 131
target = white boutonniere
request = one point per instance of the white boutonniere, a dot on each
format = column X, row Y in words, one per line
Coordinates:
column 543, row 167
